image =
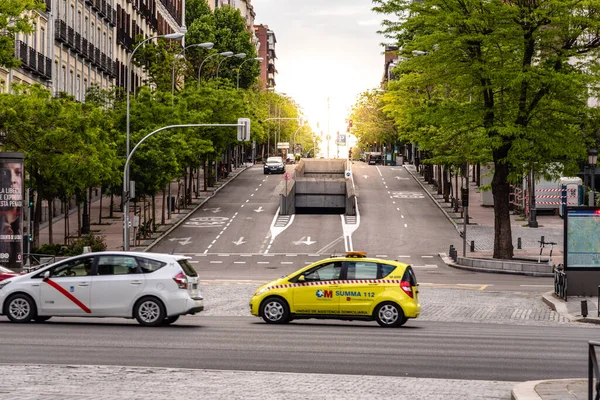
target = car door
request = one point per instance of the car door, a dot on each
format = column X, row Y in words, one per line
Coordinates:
column 360, row 287
column 316, row 295
column 116, row 284
column 67, row 290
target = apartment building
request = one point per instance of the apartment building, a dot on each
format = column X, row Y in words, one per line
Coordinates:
column 79, row 43
column 266, row 50
column 245, row 7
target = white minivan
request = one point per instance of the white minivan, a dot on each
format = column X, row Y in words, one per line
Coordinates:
column 153, row 288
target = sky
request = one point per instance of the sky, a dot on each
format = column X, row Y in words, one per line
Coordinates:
column 325, row 49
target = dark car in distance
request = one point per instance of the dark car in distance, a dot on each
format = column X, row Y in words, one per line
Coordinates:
column 274, row 165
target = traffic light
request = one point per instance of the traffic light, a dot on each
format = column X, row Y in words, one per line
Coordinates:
column 30, row 196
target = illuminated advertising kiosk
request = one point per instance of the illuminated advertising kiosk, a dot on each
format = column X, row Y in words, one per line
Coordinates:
column 582, row 250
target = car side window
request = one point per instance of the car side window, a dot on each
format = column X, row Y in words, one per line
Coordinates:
column 149, row 266
column 385, row 270
column 361, row 270
column 79, row 267
column 117, row 265
column 327, row 272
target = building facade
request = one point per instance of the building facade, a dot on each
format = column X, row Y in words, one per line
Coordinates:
column 79, row 43
column 266, row 50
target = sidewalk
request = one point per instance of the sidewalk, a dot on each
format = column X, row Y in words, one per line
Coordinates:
column 480, row 229
column 112, row 228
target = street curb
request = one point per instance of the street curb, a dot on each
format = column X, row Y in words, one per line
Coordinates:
column 193, row 210
column 525, row 391
column 448, row 261
column 435, row 201
column 560, row 307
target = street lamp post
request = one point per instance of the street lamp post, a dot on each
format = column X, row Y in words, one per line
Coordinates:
column 172, row 36
column 224, row 54
column 238, row 55
column 126, row 172
column 207, row 45
column 240, row 67
column 592, row 159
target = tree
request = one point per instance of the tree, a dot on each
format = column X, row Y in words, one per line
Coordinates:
column 370, row 124
column 527, row 67
column 16, row 16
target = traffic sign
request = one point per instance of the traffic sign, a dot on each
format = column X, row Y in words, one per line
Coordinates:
column 243, row 133
column 348, row 174
column 287, row 176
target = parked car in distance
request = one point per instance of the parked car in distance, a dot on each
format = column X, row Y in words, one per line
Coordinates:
column 274, row 165
column 351, row 287
column 6, row 273
column 291, row 159
column 153, row 288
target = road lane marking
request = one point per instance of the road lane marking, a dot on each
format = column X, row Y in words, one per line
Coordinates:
column 406, row 225
column 263, row 262
column 403, row 256
column 287, row 262
column 216, row 262
column 239, row 262
column 381, row 256
column 427, row 256
column 549, row 286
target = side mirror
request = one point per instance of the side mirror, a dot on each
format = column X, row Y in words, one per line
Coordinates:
column 301, row 278
column 46, row 275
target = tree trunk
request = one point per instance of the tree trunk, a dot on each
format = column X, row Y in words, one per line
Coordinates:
column 50, row 218
column 153, row 212
column 163, row 211
column 503, row 247
column 112, row 204
column 204, row 173
column 100, row 212
column 78, row 219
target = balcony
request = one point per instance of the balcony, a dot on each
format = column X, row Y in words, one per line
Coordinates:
column 48, row 69
column 48, row 5
column 71, row 37
column 32, row 60
column 21, row 52
column 84, row 47
column 41, row 64
column 78, row 42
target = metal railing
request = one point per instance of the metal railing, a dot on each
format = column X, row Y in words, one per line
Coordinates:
column 35, row 261
column 560, row 282
column 593, row 372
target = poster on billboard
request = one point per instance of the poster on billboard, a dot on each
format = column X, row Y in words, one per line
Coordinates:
column 341, row 140
column 582, row 238
column 11, row 209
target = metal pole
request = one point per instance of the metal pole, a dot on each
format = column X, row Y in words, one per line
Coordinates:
column 219, row 67
column 203, row 61
column 593, row 196
column 466, row 214
column 126, row 170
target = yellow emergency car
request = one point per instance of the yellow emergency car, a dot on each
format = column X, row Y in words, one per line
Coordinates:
column 352, row 287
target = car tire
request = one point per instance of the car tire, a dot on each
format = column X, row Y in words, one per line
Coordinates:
column 149, row 311
column 275, row 310
column 389, row 315
column 40, row 319
column 20, row 308
column 170, row 320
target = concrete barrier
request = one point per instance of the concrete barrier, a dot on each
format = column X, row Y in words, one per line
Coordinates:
column 521, row 267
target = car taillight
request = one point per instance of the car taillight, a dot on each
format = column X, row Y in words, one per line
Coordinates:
column 405, row 285
column 181, row 280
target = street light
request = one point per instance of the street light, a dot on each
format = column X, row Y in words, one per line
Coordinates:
column 171, row 36
column 592, row 159
column 207, row 45
column 260, row 59
column 238, row 55
column 224, row 54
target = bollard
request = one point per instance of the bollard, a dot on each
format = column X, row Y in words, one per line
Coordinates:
column 472, row 246
column 584, row 309
column 542, row 240
column 519, row 244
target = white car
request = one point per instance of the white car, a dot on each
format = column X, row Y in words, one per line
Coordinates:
column 153, row 288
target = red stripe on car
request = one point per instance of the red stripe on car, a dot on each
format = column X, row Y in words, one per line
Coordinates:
column 68, row 295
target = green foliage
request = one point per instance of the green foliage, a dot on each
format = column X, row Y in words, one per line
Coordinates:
column 95, row 242
column 369, row 123
column 195, row 9
column 16, row 16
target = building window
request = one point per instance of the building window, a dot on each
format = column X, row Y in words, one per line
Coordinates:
column 43, row 41
column 71, row 82
column 78, row 88
column 78, row 23
column 64, row 78
column 34, row 37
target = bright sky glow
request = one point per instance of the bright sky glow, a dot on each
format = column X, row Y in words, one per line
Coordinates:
column 325, row 49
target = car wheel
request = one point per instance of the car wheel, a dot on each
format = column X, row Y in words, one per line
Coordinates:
column 275, row 311
column 149, row 311
column 389, row 315
column 170, row 320
column 41, row 319
column 20, row 308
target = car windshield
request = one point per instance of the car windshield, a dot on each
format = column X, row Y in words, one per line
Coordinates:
column 274, row 160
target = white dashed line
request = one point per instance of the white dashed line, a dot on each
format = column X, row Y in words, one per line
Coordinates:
column 403, row 256
column 262, row 262
column 242, row 206
column 381, row 256
column 247, row 201
column 252, row 195
column 223, row 255
column 406, row 225
column 216, row 262
column 401, row 216
column 427, row 256
column 255, row 189
column 193, row 262
column 239, row 262
column 245, row 255
column 214, row 241
column 287, row 262
column 397, row 208
column 291, row 255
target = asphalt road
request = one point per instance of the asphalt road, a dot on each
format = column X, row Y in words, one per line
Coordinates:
column 238, row 235
column 419, row 349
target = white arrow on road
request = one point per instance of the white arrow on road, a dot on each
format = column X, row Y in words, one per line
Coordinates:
column 183, row 241
column 401, row 178
column 213, row 210
column 259, row 209
column 304, row 240
column 239, row 241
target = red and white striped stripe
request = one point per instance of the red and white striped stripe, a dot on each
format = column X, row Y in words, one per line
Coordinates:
column 324, row 283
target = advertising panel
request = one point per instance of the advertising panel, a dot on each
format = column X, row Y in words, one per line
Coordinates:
column 582, row 238
column 341, row 140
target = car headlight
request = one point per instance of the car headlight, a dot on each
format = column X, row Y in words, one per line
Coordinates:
column 261, row 291
column 4, row 283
